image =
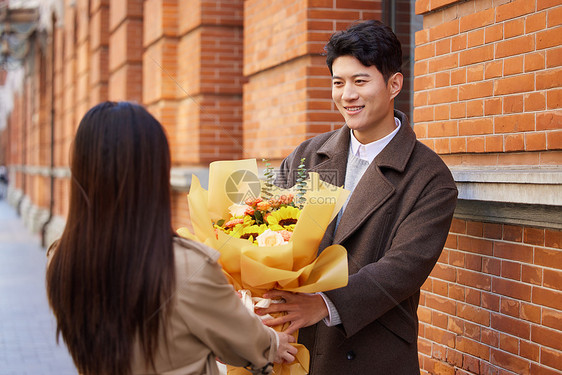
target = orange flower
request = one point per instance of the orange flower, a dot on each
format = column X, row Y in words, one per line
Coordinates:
column 274, row 203
column 233, row 222
column 263, row 206
column 286, row 199
column 253, row 201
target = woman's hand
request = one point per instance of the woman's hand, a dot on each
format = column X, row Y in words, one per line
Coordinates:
column 285, row 352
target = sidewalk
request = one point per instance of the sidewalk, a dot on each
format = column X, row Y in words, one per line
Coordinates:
column 27, row 327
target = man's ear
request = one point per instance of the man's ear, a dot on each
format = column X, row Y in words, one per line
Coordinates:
column 395, row 84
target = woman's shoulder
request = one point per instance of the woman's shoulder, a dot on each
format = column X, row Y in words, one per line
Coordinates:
column 189, row 253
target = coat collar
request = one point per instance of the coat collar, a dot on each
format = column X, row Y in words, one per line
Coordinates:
column 395, row 157
column 374, row 188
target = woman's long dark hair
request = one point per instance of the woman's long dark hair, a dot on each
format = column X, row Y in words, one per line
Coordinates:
column 113, row 268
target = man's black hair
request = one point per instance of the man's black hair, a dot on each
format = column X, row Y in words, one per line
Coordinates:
column 371, row 42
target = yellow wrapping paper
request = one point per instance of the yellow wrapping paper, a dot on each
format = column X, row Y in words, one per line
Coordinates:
column 293, row 266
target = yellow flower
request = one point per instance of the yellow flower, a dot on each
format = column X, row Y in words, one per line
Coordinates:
column 251, row 231
column 285, row 218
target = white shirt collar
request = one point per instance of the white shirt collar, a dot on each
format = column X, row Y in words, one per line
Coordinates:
column 370, row 151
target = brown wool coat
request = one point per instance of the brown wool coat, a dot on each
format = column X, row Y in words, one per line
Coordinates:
column 394, row 229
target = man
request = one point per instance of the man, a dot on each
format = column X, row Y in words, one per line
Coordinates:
column 393, row 226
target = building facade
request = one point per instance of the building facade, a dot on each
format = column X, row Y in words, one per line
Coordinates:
column 233, row 79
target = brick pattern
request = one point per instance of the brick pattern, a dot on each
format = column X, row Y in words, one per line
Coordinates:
column 264, row 49
column 180, row 212
column 125, row 50
column 488, row 79
column 493, row 303
column 62, row 129
column 36, row 133
column 270, row 130
column 99, row 52
column 82, row 58
column 209, row 83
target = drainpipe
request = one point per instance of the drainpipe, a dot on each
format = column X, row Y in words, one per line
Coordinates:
column 23, row 168
column 393, row 15
column 52, row 146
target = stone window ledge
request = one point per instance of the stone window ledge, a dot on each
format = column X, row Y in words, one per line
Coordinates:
column 510, row 185
column 180, row 177
column 526, row 186
column 510, row 195
column 513, row 195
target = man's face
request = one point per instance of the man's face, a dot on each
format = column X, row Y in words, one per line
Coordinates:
column 363, row 98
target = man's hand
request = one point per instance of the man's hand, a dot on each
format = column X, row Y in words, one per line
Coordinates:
column 302, row 310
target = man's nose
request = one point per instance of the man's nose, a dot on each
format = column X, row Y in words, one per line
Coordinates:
column 349, row 92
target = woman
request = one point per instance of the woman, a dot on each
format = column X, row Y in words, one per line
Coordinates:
column 130, row 297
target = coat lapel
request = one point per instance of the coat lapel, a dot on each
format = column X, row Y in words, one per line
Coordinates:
column 332, row 170
column 370, row 193
column 374, row 188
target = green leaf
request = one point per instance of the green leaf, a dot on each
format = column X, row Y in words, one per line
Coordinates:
column 259, row 217
column 269, row 178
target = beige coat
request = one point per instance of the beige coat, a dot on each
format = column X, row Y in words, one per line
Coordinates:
column 208, row 321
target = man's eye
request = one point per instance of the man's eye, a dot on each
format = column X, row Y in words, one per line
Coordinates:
column 337, row 83
column 360, row 81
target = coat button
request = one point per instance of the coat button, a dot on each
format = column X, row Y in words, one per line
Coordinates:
column 350, row 355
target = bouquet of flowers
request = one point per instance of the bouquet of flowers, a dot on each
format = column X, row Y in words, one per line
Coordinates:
column 268, row 237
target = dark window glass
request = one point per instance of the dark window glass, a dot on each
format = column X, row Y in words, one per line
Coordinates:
column 400, row 16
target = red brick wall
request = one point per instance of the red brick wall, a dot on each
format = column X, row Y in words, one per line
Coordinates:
column 493, row 302
column 82, row 58
column 488, row 78
column 33, row 130
column 15, row 141
column 64, row 105
column 180, row 214
column 209, row 80
column 487, row 92
column 160, row 62
column 99, row 52
column 125, row 50
column 3, row 133
column 192, row 71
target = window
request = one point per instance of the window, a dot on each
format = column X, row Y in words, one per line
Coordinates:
column 400, row 16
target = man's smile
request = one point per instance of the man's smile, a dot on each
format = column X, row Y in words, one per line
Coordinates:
column 354, row 109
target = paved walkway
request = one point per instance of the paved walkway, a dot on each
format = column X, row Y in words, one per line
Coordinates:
column 27, row 327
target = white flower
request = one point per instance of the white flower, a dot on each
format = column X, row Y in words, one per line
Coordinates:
column 270, row 238
column 238, row 210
